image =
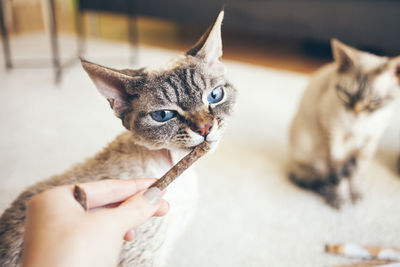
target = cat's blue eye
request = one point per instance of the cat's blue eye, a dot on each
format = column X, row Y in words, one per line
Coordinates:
column 216, row 95
column 163, row 115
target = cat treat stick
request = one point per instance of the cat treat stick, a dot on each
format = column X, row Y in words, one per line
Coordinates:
column 165, row 180
column 364, row 252
column 182, row 165
column 80, row 196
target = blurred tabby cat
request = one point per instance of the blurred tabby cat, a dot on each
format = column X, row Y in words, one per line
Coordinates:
column 167, row 112
column 398, row 164
column 340, row 120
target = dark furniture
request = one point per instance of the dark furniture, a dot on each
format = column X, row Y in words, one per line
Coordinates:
column 4, row 37
column 368, row 24
column 373, row 24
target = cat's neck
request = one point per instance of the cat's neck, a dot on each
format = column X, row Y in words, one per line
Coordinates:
column 124, row 143
column 176, row 156
column 171, row 156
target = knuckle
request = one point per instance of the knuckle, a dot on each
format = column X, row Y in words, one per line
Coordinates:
column 35, row 201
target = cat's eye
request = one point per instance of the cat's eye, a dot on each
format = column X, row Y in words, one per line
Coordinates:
column 216, row 95
column 343, row 95
column 163, row 115
column 376, row 100
column 375, row 103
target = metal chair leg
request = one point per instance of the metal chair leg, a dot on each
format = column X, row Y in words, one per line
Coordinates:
column 54, row 42
column 6, row 41
column 133, row 39
column 79, row 28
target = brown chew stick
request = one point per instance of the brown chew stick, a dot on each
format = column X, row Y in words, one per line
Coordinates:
column 165, row 180
column 80, row 196
column 182, row 165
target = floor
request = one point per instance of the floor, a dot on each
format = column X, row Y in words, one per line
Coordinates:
column 249, row 214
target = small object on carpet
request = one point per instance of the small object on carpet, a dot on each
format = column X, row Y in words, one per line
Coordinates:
column 373, row 263
column 364, row 252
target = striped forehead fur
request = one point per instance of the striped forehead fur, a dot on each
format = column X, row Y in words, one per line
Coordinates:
column 184, row 83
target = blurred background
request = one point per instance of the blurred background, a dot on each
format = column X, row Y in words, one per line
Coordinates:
column 249, row 214
column 287, row 34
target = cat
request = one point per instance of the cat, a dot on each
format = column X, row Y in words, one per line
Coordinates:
column 398, row 164
column 166, row 112
column 340, row 119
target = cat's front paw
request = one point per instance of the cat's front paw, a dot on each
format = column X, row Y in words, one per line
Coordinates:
column 355, row 197
column 334, row 201
column 331, row 197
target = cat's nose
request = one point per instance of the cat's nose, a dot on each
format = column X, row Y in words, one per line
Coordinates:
column 204, row 130
column 358, row 107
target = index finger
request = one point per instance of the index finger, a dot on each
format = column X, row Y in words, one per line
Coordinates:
column 105, row 192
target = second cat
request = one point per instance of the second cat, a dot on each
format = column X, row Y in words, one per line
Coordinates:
column 341, row 117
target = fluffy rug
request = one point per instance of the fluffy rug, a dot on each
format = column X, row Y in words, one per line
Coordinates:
column 249, row 214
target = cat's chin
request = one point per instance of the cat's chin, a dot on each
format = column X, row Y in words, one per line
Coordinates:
column 213, row 144
column 187, row 149
column 177, row 148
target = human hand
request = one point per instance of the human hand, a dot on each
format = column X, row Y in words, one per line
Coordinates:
column 58, row 232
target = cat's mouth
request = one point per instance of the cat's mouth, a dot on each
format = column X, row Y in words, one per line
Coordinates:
column 212, row 143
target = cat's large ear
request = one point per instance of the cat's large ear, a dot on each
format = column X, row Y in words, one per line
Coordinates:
column 395, row 66
column 209, row 47
column 112, row 84
column 343, row 55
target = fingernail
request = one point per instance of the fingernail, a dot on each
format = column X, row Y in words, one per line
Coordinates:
column 153, row 195
column 130, row 235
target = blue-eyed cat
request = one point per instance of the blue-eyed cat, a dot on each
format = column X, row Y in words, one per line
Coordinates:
column 167, row 112
column 340, row 119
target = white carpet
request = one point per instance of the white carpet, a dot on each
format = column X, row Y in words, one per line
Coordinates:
column 248, row 214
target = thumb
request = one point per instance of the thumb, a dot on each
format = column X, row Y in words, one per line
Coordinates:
column 139, row 208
